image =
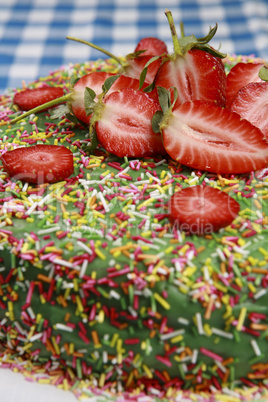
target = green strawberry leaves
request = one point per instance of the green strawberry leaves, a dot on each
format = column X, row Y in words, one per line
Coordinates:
column 263, row 73
column 160, row 118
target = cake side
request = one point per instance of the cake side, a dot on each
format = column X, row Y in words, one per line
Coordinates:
column 96, row 283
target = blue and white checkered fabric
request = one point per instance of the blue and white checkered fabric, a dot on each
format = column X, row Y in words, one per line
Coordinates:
column 33, row 32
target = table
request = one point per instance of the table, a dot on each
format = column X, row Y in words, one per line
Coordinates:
column 33, row 32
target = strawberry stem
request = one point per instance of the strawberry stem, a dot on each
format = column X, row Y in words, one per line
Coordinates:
column 97, row 48
column 176, row 43
column 39, row 108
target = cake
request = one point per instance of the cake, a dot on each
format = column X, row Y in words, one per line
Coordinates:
column 101, row 295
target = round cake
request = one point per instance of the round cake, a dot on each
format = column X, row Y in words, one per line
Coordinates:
column 101, row 295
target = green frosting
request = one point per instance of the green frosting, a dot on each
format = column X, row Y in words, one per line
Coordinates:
column 94, row 280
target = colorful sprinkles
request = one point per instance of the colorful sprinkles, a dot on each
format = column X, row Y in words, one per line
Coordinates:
column 99, row 295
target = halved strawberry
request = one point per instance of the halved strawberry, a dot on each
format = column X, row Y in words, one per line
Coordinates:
column 153, row 46
column 197, row 75
column 207, row 137
column 124, row 126
column 39, row 163
column 239, row 76
column 195, row 69
column 95, row 81
column 135, row 66
column 251, row 103
column 202, row 209
column 31, row 98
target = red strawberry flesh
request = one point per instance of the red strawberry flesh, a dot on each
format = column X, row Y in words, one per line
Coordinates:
column 125, row 125
column 239, row 76
column 39, row 163
column 153, row 46
column 197, row 76
column 202, row 209
column 31, row 98
column 207, row 137
column 251, row 103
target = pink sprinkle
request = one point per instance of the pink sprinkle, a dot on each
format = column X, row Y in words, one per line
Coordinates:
column 164, row 360
column 213, row 355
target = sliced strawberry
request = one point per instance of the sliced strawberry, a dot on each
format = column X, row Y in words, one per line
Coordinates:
column 207, row 137
column 202, row 209
column 251, row 103
column 197, row 75
column 95, row 81
column 39, row 163
column 31, row 98
column 239, row 76
column 136, row 65
column 124, row 128
column 153, row 46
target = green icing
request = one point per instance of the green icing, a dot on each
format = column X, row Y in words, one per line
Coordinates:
column 100, row 248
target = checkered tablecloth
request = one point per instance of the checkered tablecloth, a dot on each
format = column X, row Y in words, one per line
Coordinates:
column 33, row 32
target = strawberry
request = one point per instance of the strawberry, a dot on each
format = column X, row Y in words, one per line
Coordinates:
column 31, row 98
column 39, row 163
column 251, row 103
column 124, row 125
column 195, row 69
column 152, row 47
column 136, row 65
column 202, row 209
column 95, row 81
column 239, row 76
column 204, row 136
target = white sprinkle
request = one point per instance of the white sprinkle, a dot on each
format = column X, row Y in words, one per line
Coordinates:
column 84, row 247
column 83, row 268
column 49, row 230
column 199, row 324
column 194, row 356
column 172, row 334
column 160, row 162
column 36, row 337
column 63, row 327
column 43, row 200
column 221, row 254
column 221, row 366
column 65, row 264
column 255, row 347
column 114, row 294
column 224, row 334
column 259, row 294
column 103, row 201
column 31, row 209
column 183, row 321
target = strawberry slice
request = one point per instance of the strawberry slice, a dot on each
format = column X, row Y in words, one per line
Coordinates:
column 124, row 127
column 202, row 209
column 39, row 163
column 153, row 46
column 195, row 69
column 239, row 76
column 95, row 82
column 135, row 66
column 197, row 75
column 31, row 98
column 251, row 103
column 207, row 137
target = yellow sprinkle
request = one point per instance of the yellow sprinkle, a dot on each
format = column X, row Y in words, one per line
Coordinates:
column 145, row 203
column 161, row 301
column 251, row 287
column 147, row 371
column 241, row 318
column 56, row 346
column 114, row 340
column 100, row 254
column 207, row 329
column 102, row 380
column 79, row 303
column 176, row 339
